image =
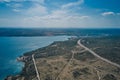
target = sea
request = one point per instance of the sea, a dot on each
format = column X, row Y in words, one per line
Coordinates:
column 13, row 47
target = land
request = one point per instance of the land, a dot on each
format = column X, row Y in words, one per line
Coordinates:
column 107, row 47
column 26, row 32
column 70, row 60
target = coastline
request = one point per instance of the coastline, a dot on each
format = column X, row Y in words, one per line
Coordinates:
column 40, row 53
column 26, row 58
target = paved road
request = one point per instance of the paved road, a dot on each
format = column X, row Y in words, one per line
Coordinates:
column 38, row 76
column 92, row 52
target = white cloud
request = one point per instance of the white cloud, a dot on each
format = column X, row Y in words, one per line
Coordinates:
column 85, row 17
column 36, row 10
column 72, row 4
column 16, row 10
column 5, row 0
column 21, row 0
column 14, row 5
column 38, row 16
column 108, row 13
column 10, row 22
column 58, row 18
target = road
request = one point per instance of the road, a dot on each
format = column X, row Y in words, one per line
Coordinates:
column 38, row 76
column 92, row 52
column 97, row 72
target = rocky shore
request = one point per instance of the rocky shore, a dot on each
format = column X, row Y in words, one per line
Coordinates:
column 26, row 60
column 23, row 58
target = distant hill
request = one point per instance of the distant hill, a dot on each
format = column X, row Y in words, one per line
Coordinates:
column 57, row 31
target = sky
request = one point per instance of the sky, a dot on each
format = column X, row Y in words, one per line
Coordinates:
column 60, row 13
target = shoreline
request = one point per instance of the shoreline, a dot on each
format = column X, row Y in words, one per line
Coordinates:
column 28, row 62
column 25, row 58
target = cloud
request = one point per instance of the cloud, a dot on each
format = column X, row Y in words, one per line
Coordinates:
column 14, row 5
column 36, row 10
column 72, row 4
column 16, row 10
column 21, row 0
column 85, row 17
column 10, row 22
column 38, row 14
column 58, row 18
column 5, row 0
column 108, row 13
column 33, row 1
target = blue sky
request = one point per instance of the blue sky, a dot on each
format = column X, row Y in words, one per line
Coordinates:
column 60, row 13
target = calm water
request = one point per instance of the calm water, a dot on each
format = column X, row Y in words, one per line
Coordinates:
column 12, row 47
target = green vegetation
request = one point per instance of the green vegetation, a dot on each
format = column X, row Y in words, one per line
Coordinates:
column 79, row 72
column 107, row 47
column 109, row 77
column 84, row 56
column 76, row 73
column 56, row 49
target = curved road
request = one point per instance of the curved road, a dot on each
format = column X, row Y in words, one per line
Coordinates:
column 92, row 52
column 38, row 76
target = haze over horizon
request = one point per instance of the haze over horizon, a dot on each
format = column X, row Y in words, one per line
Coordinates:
column 60, row 13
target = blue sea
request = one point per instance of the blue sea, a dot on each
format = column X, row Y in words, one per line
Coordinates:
column 13, row 47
